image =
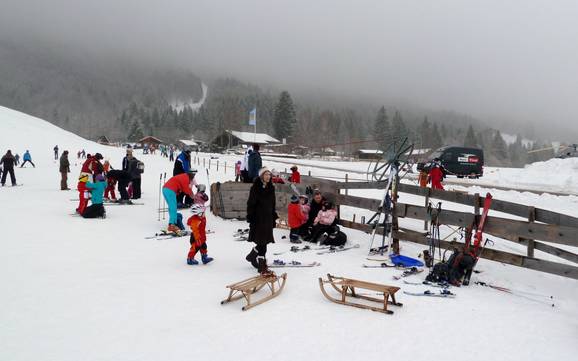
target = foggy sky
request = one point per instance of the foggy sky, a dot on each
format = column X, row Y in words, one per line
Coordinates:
column 513, row 61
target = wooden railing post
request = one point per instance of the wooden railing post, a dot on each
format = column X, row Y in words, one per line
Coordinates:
column 531, row 242
column 346, row 181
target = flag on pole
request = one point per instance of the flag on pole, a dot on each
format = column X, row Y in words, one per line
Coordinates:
column 253, row 117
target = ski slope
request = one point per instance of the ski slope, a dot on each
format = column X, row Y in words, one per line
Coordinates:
column 76, row 289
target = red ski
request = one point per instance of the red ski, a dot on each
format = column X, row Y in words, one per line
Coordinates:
column 475, row 253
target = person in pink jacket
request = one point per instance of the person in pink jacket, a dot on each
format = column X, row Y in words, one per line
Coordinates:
column 200, row 197
column 324, row 221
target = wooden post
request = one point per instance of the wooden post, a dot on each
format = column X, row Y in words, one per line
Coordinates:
column 309, row 173
column 217, row 166
column 225, row 169
column 353, row 217
column 204, row 163
column 428, row 192
column 346, row 181
column 531, row 242
column 394, row 221
column 477, row 204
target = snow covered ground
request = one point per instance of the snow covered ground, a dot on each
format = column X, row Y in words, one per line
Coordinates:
column 76, row 289
column 179, row 104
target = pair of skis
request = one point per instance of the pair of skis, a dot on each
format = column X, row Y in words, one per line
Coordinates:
column 278, row 263
column 478, row 238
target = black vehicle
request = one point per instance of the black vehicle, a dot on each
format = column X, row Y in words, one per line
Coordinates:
column 458, row 161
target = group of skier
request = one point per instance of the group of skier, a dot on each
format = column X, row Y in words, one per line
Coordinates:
column 9, row 161
column 434, row 176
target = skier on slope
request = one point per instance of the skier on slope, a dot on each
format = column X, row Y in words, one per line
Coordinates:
column 8, row 162
column 198, row 224
column 64, row 170
column 56, row 152
column 181, row 183
column 27, row 158
column 261, row 216
column 436, row 175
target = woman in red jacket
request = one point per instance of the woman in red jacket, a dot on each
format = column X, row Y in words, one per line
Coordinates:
column 178, row 184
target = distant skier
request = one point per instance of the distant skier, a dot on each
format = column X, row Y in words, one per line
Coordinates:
column 198, row 240
column 261, row 216
column 8, row 162
column 96, row 209
column 64, row 170
column 56, row 152
column 181, row 183
column 436, row 175
column 171, row 154
column 27, row 158
column 238, row 171
column 17, row 157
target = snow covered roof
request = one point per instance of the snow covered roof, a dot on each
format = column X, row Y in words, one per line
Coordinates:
column 189, row 142
column 150, row 139
column 420, row 151
column 370, row 151
column 248, row 137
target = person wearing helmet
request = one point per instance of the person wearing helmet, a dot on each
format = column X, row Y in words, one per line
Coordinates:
column 198, row 240
column 200, row 197
column 261, row 216
column 181, row 183
column 436, row 175
column 96, row 209
column 295, row 219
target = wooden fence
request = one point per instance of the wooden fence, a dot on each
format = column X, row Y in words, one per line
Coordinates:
column 535, row 227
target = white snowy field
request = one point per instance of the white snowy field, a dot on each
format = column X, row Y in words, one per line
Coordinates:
column 76, row 289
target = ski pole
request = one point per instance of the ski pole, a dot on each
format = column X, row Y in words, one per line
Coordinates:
column 160, row 187
column 164, row 202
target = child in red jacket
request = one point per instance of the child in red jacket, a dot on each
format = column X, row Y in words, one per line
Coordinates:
column 296, row 219
column 198, row 240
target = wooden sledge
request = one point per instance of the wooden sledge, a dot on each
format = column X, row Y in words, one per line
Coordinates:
column 246, row 288
column 347, row 288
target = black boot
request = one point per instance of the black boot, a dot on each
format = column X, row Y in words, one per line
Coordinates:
column 252, row 257
column 263, row 269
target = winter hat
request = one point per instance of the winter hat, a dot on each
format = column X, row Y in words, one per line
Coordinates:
column 100, row 177
column 98, row 156
column 294, row 199
column 305, row 197
column 294, row 168
column 316, row 192
column 201, row 188
column 263, row 170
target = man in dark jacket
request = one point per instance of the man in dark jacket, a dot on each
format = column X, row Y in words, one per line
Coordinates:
column 183, row 165
column 64, row 170
column 123, row 178
column 255, row 163
column 8, row 161
column 261, row 216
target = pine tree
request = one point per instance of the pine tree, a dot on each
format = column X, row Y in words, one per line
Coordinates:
column 470, row 140
column 425, row 133
column 499, row 146
column 382, row 130
column 398, row 129
column 135, row 132
column 436, row 139
column 284, row 120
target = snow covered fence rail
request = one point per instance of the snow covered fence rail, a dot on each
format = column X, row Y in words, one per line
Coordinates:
column 541, row 225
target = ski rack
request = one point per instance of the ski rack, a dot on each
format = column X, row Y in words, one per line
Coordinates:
column 389, row 168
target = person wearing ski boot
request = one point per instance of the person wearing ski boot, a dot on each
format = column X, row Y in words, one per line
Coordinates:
column 198, row 223
column 64, row 170
column 200, row 197
column 27, row 158
column 181, row 183
column 295, row 218
column 96, row 209
column 8, row 162
column 324, row 221
column 295, row 175
column 109, row 194
column 436, row 175
column 90, row 168
column 422, row 178
column 261, row 216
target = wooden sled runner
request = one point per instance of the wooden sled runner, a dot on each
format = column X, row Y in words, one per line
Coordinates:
column 347, row 288
column 246, row 288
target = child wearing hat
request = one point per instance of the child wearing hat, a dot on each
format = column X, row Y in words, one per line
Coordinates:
column 296, row 219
